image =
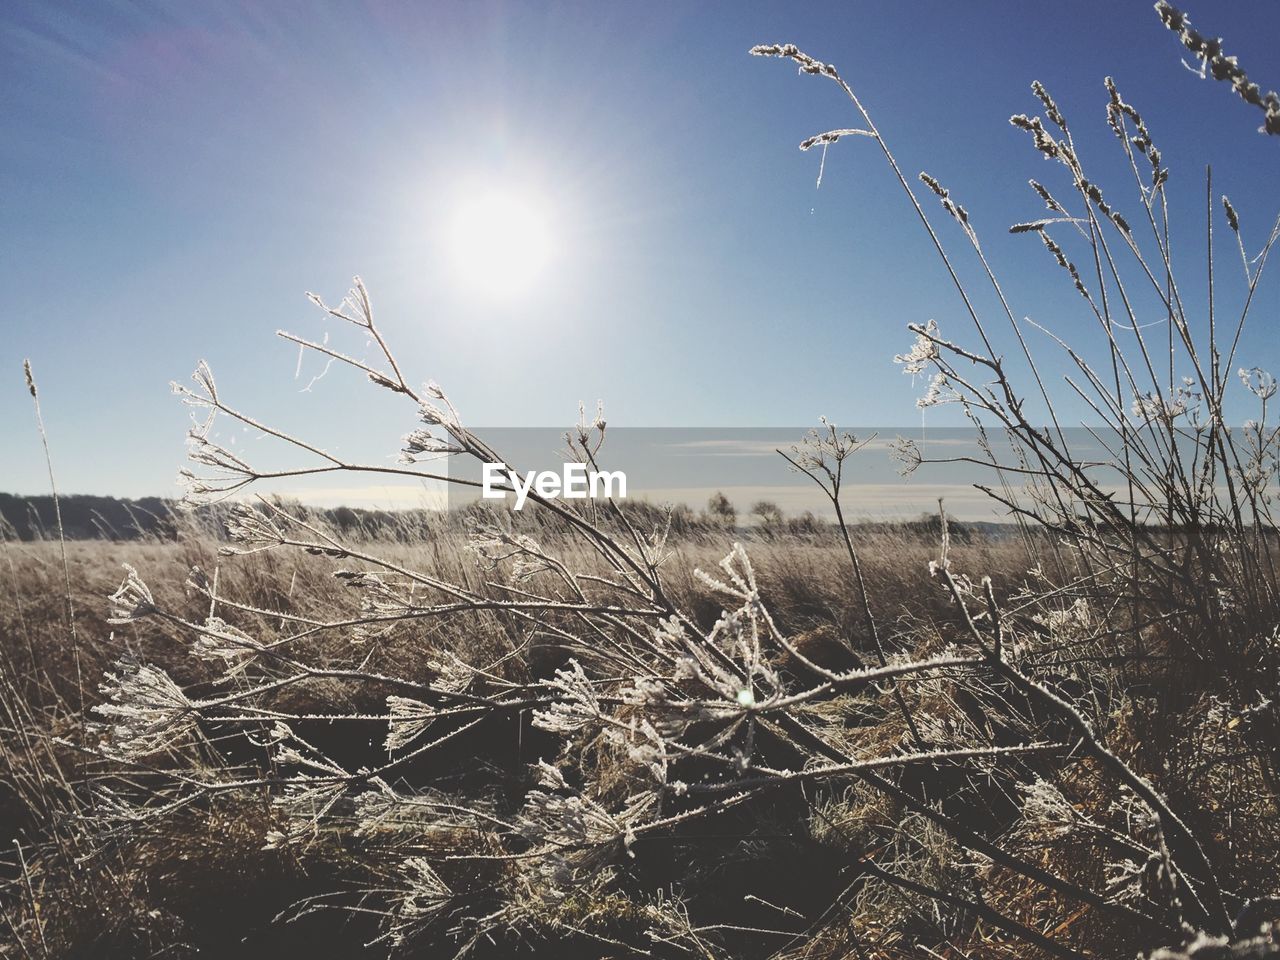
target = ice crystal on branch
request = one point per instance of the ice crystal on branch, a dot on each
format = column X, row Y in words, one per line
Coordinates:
column 146, row 711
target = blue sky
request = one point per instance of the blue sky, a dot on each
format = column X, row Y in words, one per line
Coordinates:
column 177, row 175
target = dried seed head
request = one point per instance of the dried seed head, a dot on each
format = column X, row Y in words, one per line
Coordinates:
column 1153, row 408
column 576, row 705
column 923, row 351
column 222, row 642
column 1218, row 65
column 1117, row 112
column 1258, row 382
column 1233, row 219
column 247, row 526
column 906, row 452
column 407, row 719
column 1065, row 264
column 423, row 897
column 1094, row 193
column 590, row 430
column 1043, row 141
column 789, row 51
column 132, row 599
column 146, row 710
column 832, row 136
column 1050, row 108
column 31, row 380
column 1046, row 196
column 424, row 442
column 933, row 185
column 938, row 392
column 959, row 213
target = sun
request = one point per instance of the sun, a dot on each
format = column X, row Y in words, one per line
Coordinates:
column 501, row 243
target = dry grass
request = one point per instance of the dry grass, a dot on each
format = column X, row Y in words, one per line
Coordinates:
column 202, row 881
column 595, row 730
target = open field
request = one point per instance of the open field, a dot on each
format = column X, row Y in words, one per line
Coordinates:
column 207, row 877
column 583, row 726
column 201, row 880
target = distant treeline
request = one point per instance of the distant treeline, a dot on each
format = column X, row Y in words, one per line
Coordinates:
column 88, row 517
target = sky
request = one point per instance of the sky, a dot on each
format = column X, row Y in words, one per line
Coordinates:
column 176, row 177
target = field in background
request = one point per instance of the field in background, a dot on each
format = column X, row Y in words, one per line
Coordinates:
column 596, row 729
column 206, row 880
column 203, row 881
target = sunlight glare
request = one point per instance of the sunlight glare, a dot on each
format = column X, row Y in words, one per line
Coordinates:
column 501, row 243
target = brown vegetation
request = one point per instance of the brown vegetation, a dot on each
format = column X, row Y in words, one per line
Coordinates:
column 601, row 730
